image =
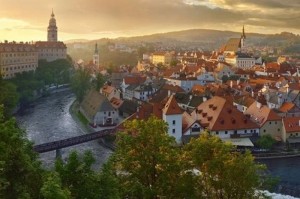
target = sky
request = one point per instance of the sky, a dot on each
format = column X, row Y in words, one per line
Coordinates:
column 27, row 20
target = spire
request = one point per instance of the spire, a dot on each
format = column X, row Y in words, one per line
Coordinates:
column 243, row 33
column 96, row 48
column 52, row 14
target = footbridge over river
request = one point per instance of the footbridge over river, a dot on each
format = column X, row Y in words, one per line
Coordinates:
column 59, row 144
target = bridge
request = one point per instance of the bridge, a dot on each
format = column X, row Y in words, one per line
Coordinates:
column 56, row 145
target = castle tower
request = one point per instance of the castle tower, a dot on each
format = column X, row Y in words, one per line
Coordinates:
column 52, row 29
column 96, row 56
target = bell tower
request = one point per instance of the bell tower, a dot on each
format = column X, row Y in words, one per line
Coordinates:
column 52, row 29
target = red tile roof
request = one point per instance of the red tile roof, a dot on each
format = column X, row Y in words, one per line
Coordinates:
column 218, row 114
column 261, row 114
column 171, row 107
column 291, row 124
column 134, row 79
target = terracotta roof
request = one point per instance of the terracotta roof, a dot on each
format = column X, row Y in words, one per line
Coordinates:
column 291, row 124
column 116, row 103
column 197, row 89
column 134, row 79
column 48, row 44
column 187, row 121
column 174, row 88
column 218, row 114
column 287, row 106
column 233, row 44
column 171, row 107
column 108, row 89
column 261, row 114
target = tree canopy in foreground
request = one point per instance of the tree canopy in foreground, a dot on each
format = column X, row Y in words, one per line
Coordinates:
column 149, row 164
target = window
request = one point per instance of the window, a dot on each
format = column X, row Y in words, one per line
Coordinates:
column 226, row 132
column 174, row 122
column 278, row 129
column 275, row 122
column 270, row 122
column 264, row 130
column 173, row 131
column 245, row 131
column 217, row 132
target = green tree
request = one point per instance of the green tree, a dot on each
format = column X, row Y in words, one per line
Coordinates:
column 80, row 83
column 52, row 188
column 222, row 173
column 266, row 141
column 78, row 177
column 9, row 96
column 99, row 81
column 146, row 160
column 27, row 86
column 20, row 172
column 109, row 184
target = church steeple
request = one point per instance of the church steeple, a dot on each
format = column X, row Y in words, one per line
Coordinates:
column 243, row 33
column 243, row 38
column 52, row 29
column 96, row 56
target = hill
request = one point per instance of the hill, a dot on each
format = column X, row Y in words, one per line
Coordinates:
column 187, row 39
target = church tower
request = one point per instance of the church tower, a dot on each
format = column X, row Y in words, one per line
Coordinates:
column 243, row 38
column 96, row 56
column 52, row 29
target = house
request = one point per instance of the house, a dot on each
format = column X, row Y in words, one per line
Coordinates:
column 222, row 119
column 242, row 103
column 110, row 92
column 289, row 109
column 291, row 130
column 172, row 115
column 269, row 122
column 223, row 69
column 98, row 110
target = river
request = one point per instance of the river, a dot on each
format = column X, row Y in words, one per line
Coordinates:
column 49, row 119
column 288, row 171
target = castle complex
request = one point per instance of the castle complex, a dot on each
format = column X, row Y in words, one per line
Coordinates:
column 24, row 56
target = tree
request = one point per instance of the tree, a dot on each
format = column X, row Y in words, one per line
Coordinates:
column 52, row 188
column 20, row 172
column 9, row 96
column 146, row 160
column 99, row 81
column 266, row 141
column 78, row 177
column 80, row 83
column 222, row 173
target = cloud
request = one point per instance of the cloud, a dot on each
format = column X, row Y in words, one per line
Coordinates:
column 136, row 17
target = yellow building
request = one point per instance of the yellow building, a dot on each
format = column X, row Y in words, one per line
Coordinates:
column 17, row 58
column 164, row 58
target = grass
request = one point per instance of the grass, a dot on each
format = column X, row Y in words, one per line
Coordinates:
column 82, row 119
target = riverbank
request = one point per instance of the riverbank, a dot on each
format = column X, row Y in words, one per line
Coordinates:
column 263, row 156
column 107, row 141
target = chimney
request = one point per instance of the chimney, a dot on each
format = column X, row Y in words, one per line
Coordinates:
column 204, row 99
column 231, row 83
column 258, row 105
column 169, row 93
